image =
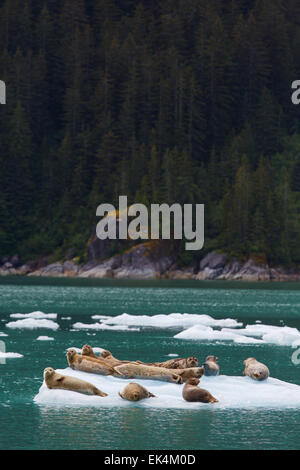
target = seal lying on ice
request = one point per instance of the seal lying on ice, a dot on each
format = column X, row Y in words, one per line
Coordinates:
column 135, row 392
column 65, row 382
column 142, row 371
column 256, row 370
column 191, row 392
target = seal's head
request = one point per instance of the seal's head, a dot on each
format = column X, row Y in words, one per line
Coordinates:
column 71, row 354
column 193, row 381
column 211, row 359
column 199, row 372
column 87, row 350
column 48, row 373
column 105, row 354
column 135, row 396
column 192, row 361
column 249, row 360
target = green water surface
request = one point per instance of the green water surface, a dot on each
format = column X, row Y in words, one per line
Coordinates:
column 26, row 425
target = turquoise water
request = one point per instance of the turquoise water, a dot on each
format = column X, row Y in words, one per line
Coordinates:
column 26, row 425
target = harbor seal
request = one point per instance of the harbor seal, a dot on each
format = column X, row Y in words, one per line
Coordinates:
column 87, row 350
column 178, row 363
column 256, row 370
column 65, row 382
column 140, row 371
column 191, row 392
column 109, row 358
column 88, row 353
column 135, row 392
column 196, row 372
column 88, row 364
column 210, row 366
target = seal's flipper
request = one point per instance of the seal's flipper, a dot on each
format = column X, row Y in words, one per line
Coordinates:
column 177, row 378
column 117, row 373
column 214, row 400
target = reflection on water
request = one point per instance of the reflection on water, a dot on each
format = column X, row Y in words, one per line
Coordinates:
column 137, row 428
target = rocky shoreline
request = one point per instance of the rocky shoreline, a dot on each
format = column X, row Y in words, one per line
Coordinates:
column 145, row 261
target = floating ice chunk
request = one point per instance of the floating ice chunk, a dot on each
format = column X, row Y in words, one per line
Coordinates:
column 173, row 320
column 247, row 340
column 100, row 317
column 10, row 355
column 200, row 332
column 66, row 318
column 263, row 330
column 172, row 355
column 45, row 338
column 232, row 392
column 3, row 334
column 102, row 326
column 37, row 315
column 33, row 324
column 279, row 335
column 255, row 330
column 239, row 337
column 285, row 337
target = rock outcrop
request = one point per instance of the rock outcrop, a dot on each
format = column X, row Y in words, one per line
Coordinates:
column 143, row 261
column 151, row 260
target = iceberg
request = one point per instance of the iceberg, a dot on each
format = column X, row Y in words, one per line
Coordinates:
column 45, row 338
column 37, row 315
column 102, row 327
column 172, row 320
column 199, row 332
column 33, row 324
column 10, row 355
column 231, row 391
column 252, row 334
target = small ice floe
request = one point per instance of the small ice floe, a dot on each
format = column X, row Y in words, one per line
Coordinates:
column 102, row 327
column 33, row 324
column 172, row 355
column 231, row 391
column 36, row 315
column 66, row 318
column 3, row 334
column 252, row 334
column 10, row 355
column 45, row 338
column 172, row 320
column 200, row 332
column 100, row 317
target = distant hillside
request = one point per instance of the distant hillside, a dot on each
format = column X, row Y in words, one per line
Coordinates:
column 163, row 101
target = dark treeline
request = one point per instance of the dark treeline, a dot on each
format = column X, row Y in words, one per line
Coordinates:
column 163, row 101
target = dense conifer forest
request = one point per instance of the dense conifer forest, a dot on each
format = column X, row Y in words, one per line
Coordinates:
column 183, row 101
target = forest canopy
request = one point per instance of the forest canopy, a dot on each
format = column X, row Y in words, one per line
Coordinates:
column 185, row 101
